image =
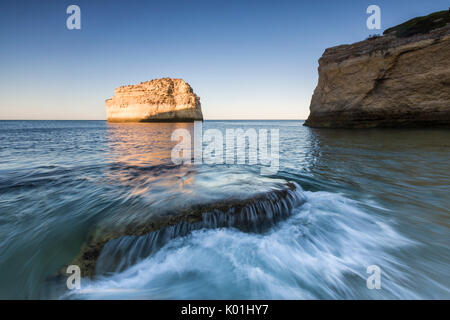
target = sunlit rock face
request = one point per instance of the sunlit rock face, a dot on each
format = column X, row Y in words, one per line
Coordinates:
column 159, row 100
column 386, row 81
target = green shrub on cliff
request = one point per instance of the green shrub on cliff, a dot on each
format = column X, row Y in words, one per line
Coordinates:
column 421, row 24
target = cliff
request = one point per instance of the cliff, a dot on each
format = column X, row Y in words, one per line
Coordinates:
column 159, row 100
column 401, row 79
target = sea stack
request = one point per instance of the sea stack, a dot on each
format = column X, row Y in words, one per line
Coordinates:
column 159, row 100
column 400, row 79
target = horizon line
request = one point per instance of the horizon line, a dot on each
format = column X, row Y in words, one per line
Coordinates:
column 145, row 122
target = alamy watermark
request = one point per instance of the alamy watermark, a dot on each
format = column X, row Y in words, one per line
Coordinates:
column 374, row 20
column 211, row 147
column 74, row 20
column 374, row 280
column 74, row 280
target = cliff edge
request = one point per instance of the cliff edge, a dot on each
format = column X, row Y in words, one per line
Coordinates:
column 159, row 100
column 401, row 79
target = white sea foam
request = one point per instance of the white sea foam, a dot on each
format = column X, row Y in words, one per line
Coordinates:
column 322, row 251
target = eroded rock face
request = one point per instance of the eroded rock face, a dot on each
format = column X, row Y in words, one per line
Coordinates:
column 386, row 81
column 159, row 100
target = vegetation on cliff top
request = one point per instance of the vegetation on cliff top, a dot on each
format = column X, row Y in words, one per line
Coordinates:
column 421, row 25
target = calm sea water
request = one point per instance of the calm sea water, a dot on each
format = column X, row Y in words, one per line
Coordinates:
column 371, row 197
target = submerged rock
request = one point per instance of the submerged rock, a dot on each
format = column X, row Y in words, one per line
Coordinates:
column 159, row 100
column 401, row 79
column 113, row 245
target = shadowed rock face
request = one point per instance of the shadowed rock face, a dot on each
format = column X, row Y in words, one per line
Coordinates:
column 160, row 100
column 386, row 81
column 111, row 246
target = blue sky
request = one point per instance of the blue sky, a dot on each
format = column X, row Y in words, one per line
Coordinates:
column 245, row 59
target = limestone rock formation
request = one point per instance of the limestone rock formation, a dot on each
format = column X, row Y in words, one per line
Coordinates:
column 159, row 100
column 401, row 79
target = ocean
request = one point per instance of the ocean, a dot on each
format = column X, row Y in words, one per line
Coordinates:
column 370, row 197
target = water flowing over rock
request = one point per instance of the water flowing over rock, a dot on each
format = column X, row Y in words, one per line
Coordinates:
column 159, row 100
column 401, row 79
column 112, row 247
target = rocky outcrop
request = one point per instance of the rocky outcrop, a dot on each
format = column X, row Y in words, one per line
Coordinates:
column 118, row 245
column 401, row 79
column 159, row 100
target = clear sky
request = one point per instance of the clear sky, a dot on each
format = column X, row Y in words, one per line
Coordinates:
column 245, row 59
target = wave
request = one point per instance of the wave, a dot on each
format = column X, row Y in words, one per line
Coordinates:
column 115, row 245
column 321, row 251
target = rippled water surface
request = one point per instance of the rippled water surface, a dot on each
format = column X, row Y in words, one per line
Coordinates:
column 361, row 197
